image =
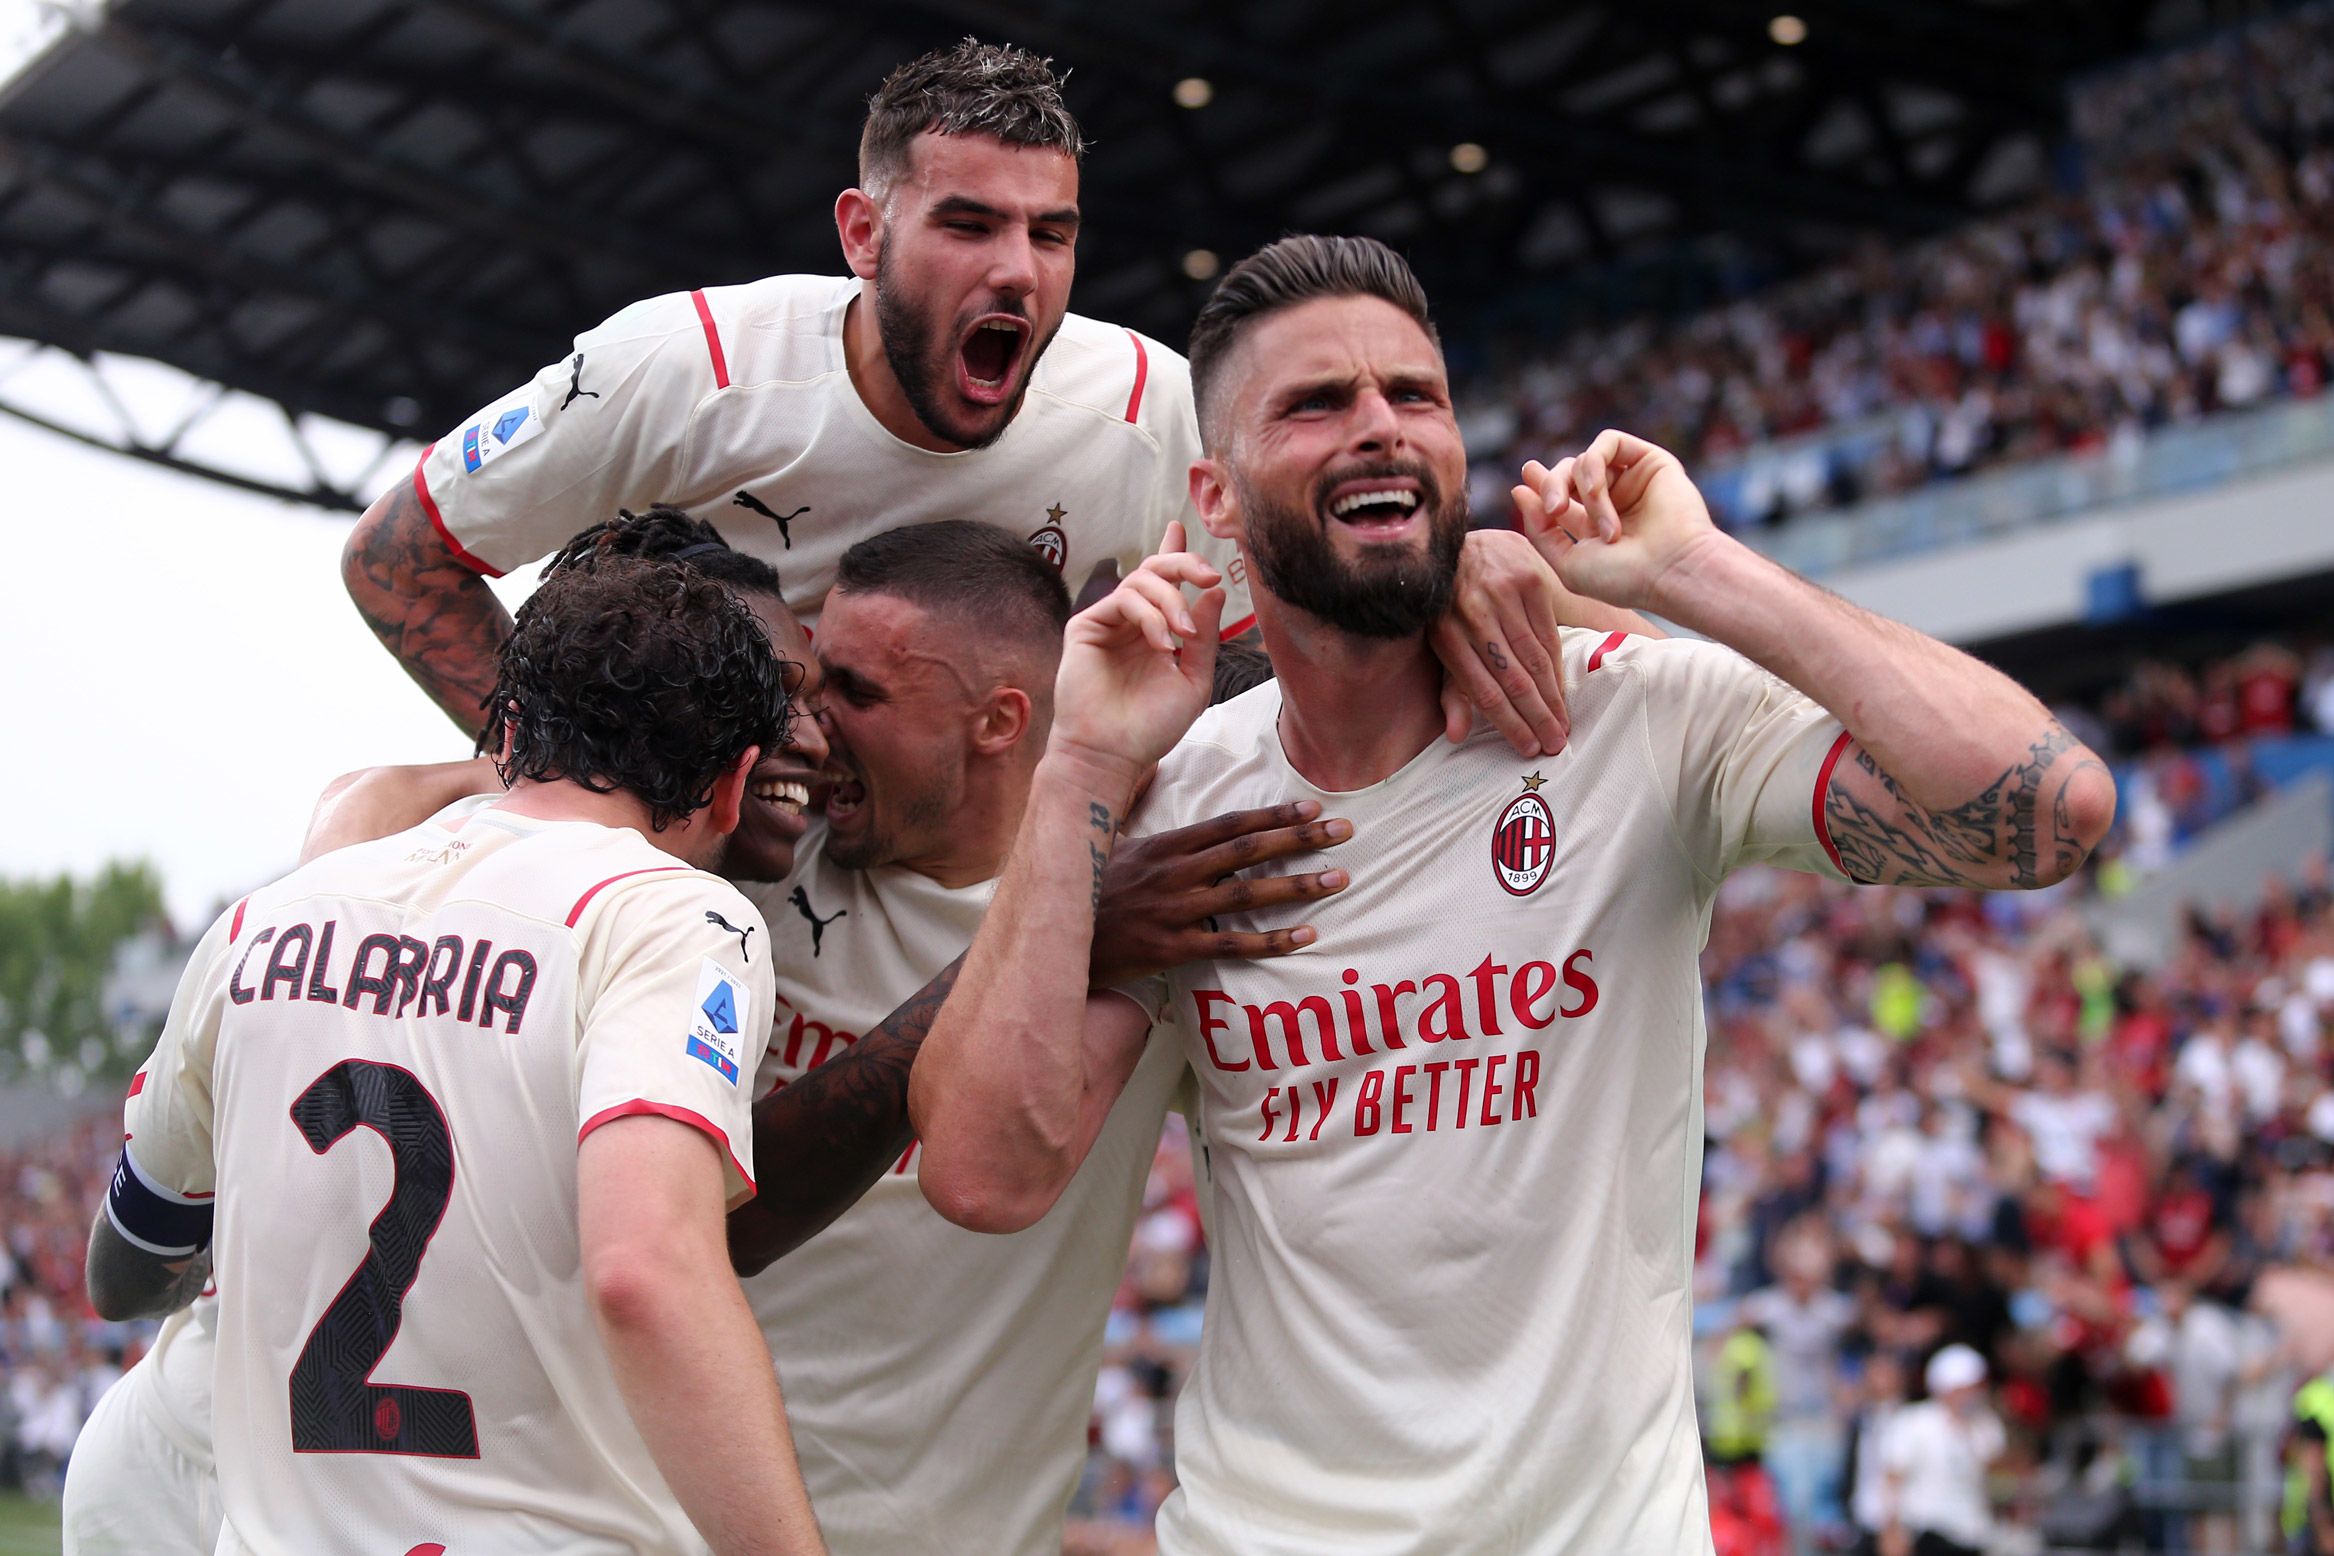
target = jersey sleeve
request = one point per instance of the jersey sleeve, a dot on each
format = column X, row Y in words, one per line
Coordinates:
column 1744, row 757
column 677, row 1002
column 160, row 1196
column 1167, row 413
column 600, row 429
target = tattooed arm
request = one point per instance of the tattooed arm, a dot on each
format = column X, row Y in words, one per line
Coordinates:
column 436, row 615
column 824, row 1138
column 1957, row 775
column 2033, row 824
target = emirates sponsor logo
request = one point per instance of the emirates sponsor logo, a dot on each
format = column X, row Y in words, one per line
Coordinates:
column 1523, row 841
column 1367, row 1017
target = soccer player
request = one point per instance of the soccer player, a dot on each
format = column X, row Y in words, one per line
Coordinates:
column 939, row 1382
column 141, row 1481
column 1455, row 1142
column 439, row 1321
column 944, row 377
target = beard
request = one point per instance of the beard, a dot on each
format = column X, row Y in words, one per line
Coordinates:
column 923, row 815
column 921, row 348
column 1386, row 592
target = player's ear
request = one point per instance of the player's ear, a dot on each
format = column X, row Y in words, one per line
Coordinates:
column 1001, row 721
column 1212, row 497
column 729, row 792
column 859, row 223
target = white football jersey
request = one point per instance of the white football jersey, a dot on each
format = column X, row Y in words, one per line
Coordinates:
column 735, row 403
column 938, row 1381
column 1457, row 1142
column 382, row 1066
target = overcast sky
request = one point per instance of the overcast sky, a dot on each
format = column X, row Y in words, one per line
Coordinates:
column 183, row 673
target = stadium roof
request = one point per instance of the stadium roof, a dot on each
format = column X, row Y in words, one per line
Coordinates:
column 384, row 211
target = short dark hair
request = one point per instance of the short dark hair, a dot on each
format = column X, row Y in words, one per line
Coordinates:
column 966, row 569
column 974, row 88
column 641, row 676
column 1283, row 274
column 665, row 533
column 1240, row 667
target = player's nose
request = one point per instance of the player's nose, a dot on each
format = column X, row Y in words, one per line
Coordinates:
column 1375, row 428
column 1013, row 264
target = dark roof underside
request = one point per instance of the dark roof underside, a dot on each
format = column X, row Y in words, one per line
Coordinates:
column 384, row 211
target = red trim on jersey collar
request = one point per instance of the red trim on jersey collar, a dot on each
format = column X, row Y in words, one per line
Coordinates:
column 1604, row 648
column 1134, row 402
column 1823, row 781
column 678, row 1114
column 1236, row 628
column 576, row 912
column 236, row 928
column 421, row 489
column 712, row 339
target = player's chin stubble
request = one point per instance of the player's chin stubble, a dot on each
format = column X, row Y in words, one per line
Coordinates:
column 922, row 354
column 1392, row 595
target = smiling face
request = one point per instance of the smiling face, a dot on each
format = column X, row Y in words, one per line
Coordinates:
column 771, row 819
column 978, row 246
column 1340, row 465
column 898, row 712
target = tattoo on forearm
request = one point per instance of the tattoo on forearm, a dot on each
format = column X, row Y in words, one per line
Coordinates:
column 1099, row 816
column 1884, row 838
column 439, row 618
column 823, row 1139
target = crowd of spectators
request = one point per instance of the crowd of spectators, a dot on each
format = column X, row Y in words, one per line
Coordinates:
column 2188, row 742
column 2185, row 266
column 2270, row 688
column 56, row 1357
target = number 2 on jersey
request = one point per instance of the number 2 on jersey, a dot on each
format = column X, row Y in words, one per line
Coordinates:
column 336, row 1405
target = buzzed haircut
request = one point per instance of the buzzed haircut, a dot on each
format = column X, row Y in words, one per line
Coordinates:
column 988, row 578
column 1281, row 275
column 665, row 533
column 975, row 88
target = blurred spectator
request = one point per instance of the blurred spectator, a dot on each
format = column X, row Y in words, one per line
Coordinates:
column 56, row 1357
column 2185, row 270
column 1934, row 1461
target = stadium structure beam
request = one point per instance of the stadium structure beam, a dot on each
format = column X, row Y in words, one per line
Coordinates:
column 172, row 451
column 106, row 183
column 450, row 197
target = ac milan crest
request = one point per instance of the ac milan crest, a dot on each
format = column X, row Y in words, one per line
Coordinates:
column 1050, row 541
column 1523, row 841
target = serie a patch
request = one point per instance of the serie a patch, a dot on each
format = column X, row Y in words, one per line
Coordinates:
column 498, row 430
column 722, row 1013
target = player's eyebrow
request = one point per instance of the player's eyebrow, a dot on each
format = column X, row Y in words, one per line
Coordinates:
column 966, row 205
column 847, row 682
column 1336, row 385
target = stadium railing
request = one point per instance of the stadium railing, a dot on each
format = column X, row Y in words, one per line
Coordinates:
column 2053, row 489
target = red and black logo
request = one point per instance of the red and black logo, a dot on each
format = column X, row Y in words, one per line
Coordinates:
column 1049, row 539
column 1523, row 841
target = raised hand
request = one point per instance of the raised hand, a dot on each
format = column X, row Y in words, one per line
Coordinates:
column 1137, row 667
column 1615, row 519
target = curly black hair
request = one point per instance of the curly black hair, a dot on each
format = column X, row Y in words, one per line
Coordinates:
column 664, row 533
column 642, row 676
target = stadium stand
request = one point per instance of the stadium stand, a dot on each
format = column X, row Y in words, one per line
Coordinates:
column 2179, row 271
column 56, row 1357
